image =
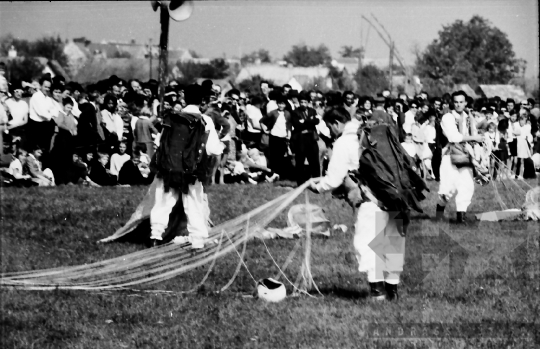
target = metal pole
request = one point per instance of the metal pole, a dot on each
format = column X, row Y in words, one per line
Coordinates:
column 391, row 63
column 163, row 56
column 150, row 54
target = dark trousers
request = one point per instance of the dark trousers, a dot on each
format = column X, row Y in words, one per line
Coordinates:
column 306, row 147
column 277, row 155
column 436, row 160
column 40, row 134
column 251, row 140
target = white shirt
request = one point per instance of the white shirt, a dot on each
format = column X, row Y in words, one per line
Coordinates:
column 280, row 127
column 41, row 107
column 410, row 148
column 408, row 122
column 213, row 144
column 429, row 133
column 18, row 110
column 117, row 161
column 113, row 123
column 272, row 105
column 449, row 127
column 254, row 115
column 345, row 157
column 75, row 111
column 15, row 168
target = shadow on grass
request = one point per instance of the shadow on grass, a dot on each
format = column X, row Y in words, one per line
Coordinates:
column 139, row 236
column 344, row 293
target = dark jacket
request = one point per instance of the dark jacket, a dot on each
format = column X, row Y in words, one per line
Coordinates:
column 89, row 129
column 304, row 122
column 181, row 151
column 221, row 124
column 388, row 172
column 99, row 175
column 270, row 120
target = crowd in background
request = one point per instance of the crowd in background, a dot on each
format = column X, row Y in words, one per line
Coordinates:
column 56, row 132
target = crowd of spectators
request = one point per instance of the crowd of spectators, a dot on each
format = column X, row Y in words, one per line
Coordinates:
column 56, row 132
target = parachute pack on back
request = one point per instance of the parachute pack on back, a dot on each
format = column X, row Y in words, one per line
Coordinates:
column 387, row 171
column 180, row 158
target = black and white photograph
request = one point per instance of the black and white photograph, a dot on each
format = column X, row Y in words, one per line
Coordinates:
column 270, row 174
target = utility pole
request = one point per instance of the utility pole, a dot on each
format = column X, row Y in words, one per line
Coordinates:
column 163, row 51
column 391, row 66
column 150, row 56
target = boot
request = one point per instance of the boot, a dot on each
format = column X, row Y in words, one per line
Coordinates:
column 376, row 290
column 460, row 217
column 439, row 216
column 391, row 292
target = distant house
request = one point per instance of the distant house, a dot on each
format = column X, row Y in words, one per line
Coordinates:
column 52, row 67
column 282, row 75
column 503, row 91
column 79, row 53
column 467, row 89
column 350, row 64
column 97, row 69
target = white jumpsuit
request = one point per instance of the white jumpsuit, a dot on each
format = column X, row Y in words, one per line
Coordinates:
column 455, row 182
column 195, row 201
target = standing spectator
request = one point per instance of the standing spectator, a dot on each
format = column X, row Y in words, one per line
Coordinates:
column 63, row 141
column 144, row 129
column 252, row 134
column 348, row 103
column 304, row 140
column 278, row 124
column 410, row 116
column 18, row 108
column 40, row 127
column 430, row 135
column 113, row 122
column 524, row 140
column 89, row 129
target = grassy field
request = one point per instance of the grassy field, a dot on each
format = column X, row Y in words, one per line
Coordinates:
column 473, row 286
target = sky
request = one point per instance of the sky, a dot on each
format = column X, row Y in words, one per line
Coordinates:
column 234, row 28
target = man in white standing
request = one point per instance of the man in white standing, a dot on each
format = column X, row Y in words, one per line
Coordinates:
column 458, row 128
column 40, row 127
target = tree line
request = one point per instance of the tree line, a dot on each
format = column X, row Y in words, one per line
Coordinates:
column 473, row 52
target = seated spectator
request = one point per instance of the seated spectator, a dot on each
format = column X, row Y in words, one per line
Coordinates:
column 99, row 173
column 137, row 170
column 234, row 172
column 14, row 175
column 77, row 172
column 119, row 159
column 32, row 165
column 257, row 167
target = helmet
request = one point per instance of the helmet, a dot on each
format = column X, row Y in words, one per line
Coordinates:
column 271, row 290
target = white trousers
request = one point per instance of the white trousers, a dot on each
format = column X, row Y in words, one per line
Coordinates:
column 195, row 206
column 455, row 182
column 380, row 249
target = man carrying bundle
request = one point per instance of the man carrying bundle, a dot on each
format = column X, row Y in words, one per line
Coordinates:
column 381, row 183
column 456, row 171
